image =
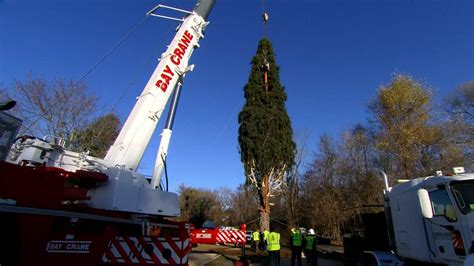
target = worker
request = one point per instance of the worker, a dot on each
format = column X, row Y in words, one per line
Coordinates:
column 295, row 243
column 309, row 245
column 273, row 247
column 255, row 240
column 264, row 242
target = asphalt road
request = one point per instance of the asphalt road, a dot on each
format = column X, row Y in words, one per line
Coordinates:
column 201, row 259
column 321, row 262
column 222, row 255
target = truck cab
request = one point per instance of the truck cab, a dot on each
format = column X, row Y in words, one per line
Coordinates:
column 431, row 219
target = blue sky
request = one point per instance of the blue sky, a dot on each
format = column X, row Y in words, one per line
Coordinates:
column 333, row 55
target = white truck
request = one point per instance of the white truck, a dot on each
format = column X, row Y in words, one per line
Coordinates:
column 429, row 220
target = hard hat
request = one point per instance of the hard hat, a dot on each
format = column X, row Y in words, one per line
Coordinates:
column 311, row 231
column 293, row 230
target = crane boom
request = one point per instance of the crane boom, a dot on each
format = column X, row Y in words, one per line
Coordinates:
column 130, row 145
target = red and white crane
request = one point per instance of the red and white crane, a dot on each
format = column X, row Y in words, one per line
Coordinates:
column 126, row 189
column 63, row 203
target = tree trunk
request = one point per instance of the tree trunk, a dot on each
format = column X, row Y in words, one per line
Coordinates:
column 264, row 221
column 292, row 199
column 264, row 207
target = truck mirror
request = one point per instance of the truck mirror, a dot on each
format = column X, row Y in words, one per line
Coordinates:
column 425, row 203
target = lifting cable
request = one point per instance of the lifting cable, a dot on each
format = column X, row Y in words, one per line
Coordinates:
column 265, row 19
column 139, row 71
column 265, row 67
column 114, row 47
column 75, row 84
column 163, row 186
column 122, row 95
column 266, row 64
column 271, row 218
column 110, row 51
column 100, row 60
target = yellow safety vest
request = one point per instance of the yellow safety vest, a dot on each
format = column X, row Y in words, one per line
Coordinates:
column 273, row 241
column 297, row 239
column 256, row 236
column 309, row 242
column 265, row 234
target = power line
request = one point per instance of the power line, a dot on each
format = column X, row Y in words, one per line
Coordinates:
column 111, row 50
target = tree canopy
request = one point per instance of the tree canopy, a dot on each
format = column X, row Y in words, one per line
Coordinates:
column 54, row 108
column 64, row 109
column 402, row 114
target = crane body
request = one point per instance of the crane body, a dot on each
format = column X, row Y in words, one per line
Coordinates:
column 126, row 189
column 56, row 203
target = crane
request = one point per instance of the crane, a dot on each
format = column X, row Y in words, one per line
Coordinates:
column 55, row 202
column 126, row 189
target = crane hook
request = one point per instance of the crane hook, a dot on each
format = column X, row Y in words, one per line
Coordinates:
column 265, row 17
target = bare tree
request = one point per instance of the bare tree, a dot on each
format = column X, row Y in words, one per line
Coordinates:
column 3, row 94
column 459, row 127
column 55, row 108
column 291, row 195
column 243, row 207
column 321, row 191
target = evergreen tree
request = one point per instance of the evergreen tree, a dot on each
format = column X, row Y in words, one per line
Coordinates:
column 98, row 136
column 265, row 135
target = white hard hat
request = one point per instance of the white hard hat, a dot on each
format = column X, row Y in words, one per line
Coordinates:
column 311, row 231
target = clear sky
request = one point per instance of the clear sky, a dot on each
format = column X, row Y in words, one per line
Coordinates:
column 333, row 55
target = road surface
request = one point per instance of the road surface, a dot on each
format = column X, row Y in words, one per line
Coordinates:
column 201, row 259
column 211, row 255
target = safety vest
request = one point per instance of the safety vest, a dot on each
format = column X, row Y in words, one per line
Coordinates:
column 273, row 241
column 265, row 234
column 297, row 239
column 309, row 242
column 256, row 236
